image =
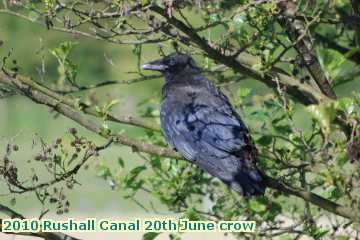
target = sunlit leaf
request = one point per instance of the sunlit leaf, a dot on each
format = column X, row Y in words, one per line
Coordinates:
column 103, row 171
column 257, row 206
column 324, row 114
column 332, row 61
column 346, row 104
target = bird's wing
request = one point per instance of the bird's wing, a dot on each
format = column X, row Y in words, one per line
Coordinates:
column 175, row 134
column 207, row 123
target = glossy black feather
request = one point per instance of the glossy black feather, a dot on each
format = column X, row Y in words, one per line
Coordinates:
column 198, row 120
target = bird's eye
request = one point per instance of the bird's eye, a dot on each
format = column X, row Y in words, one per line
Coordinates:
column 171, row 62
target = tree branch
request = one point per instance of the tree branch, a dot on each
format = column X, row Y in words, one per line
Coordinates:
column 34, row 91
column 304, row 93
column 299, row 34
column 82, row 33
column 93, row 150
column 74, row 103
column 315, row 199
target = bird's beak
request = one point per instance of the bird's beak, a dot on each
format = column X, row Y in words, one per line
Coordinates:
column 157, row 65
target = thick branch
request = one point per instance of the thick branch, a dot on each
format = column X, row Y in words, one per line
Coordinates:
column 131, row 120
column 33, row 93
column 303, row 92
column 315, row 199
column 299, row 34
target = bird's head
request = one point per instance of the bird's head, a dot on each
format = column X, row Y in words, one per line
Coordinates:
column 173, row 64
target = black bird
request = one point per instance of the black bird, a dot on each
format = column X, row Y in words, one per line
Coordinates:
column 199, row 122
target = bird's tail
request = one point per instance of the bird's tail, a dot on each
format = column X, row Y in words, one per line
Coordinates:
column 249, row 182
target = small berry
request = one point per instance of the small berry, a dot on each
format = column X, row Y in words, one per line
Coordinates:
column 73, row 131
column 295, row 71
column 15, row 147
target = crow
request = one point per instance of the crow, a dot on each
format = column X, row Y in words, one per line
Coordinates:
column 199, row 122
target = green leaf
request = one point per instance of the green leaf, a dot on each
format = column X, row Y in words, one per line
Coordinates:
column 214, row 17
column 265, row 140
column 13, row 202
column 243, row 93
column 103, row 171
column 121, row 162
column 104, row 131
column 228, row 4
column 135, row 171
column 345, row 104
column 317, row 232
column 63, row 51
column 259, row 115
column 332, row 61
column 275, row 121
column 150, row 235
column 273, row 211
column 257, row 206
column 191, row 214
column 145, row 2
column 156, row 162
column 66, row 69
column 269, row 104
column 239, row 21
column 284, row 129
column 107, row 107
column 131, row 177
column 324, row 114
column 57, row 159
column 135, row 185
